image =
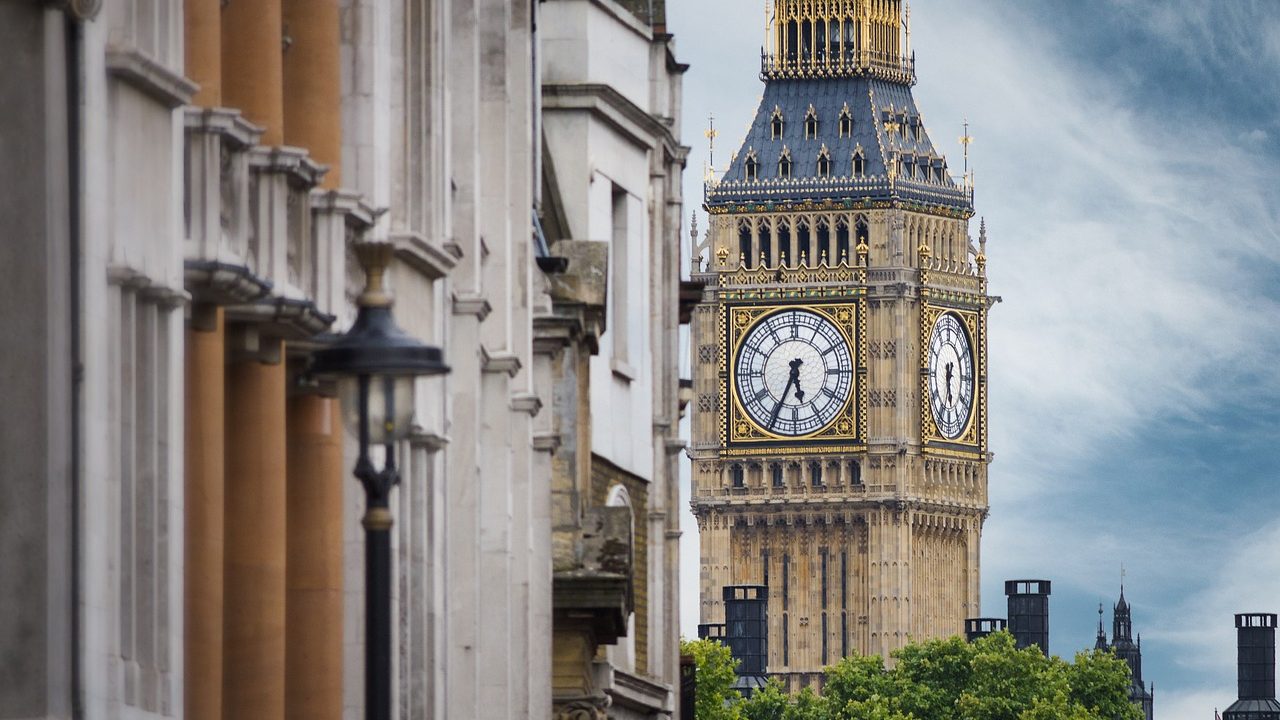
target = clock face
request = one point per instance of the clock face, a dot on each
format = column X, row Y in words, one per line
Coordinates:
column 950, row 376
column 794, row 373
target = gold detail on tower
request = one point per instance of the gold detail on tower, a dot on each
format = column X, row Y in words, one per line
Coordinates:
column 838, row 38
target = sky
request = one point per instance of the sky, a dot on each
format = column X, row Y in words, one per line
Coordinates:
column 1127, row 163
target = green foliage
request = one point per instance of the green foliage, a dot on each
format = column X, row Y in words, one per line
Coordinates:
column 950, row 679
column 716, row 671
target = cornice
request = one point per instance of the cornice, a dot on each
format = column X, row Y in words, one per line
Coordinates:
column 148, row 76
column 615, row 109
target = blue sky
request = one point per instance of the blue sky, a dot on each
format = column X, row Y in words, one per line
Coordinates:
column 1127, row 155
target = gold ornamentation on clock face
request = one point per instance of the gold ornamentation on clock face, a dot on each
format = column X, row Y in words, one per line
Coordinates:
column 950, row 376
column 794, row 373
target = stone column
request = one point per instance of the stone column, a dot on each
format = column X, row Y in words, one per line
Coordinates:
column 254, row 630
column 253, row 64
column 205, row 445
column 203, row 22
column 313, row 601
column 312, row 85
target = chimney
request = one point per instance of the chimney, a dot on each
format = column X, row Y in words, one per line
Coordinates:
column 1256, row 668
column 746, row 626
column 975, row 628
column 1029, row 612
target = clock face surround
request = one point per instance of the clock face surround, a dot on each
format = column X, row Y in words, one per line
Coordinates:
column 794, row 373
column 950, row 376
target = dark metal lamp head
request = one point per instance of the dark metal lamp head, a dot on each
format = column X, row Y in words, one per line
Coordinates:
column 375, row 361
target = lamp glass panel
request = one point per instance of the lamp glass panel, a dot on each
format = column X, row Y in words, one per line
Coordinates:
column 390, row 406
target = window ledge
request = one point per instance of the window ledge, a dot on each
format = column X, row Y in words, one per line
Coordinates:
column 142, row 72
column 622, row 370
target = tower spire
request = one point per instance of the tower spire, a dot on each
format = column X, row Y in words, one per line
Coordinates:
column 1101, row 643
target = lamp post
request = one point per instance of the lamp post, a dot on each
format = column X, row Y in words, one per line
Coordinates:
column 375, row 364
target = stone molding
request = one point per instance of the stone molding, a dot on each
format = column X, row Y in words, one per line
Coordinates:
column 148, row 76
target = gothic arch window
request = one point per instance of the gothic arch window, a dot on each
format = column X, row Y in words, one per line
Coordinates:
column 811, row 124
column 778, row 477
column 784, row 163
column 846, row 122
column 855, row 473
column 824, row 162
column 751, row 166
column 766, row 243
column 804, row 248
column 744, row 242
column 776, row 124
column 824, row 239
column 737, row 475
column 815, row 473
column 784, row 241
column 862, row 232
column 842, row 241
column 859, row 162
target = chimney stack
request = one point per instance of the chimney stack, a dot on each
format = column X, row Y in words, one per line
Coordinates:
column 1256, row 668
column 1029, row 612
column 975, row 628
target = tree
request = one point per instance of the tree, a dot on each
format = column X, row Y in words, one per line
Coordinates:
column 715, row 698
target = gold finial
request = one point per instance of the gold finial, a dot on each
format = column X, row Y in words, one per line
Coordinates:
column 764, row 262
column 722, row 254
column 711, row 134
column 822, row 257
column 966, row 140
column 862, row 249
column 374, row 257
column 924, row 251
column 804, row 258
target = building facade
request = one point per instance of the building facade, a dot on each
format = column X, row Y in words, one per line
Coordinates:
column 839, row 350
column 186, row 182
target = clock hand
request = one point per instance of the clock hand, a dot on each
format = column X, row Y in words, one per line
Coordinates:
column 778, row 408
column 795, row 375
column 949, row 365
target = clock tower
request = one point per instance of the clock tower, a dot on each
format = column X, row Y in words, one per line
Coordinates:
column 839, row 353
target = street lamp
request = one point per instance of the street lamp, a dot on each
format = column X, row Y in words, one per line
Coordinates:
column 375, row 364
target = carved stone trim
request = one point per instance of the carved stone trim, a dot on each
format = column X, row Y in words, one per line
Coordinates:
column 427, row 258
column 148, row 76
column 469, row 304
column 526, row 403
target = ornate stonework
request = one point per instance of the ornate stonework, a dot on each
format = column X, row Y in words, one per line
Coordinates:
column 867, row 528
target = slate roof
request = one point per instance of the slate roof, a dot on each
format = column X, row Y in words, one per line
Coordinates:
column 872, row 102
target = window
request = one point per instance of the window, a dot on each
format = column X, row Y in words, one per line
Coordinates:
column 766, row 244
column 744, row 243
column 824, row 163
column 786, row 640
column 824, row 239
column 855, row 473
column 859, row 163
column 846, row 123
column 777, row 477
column 815, row 473
column 842, row 240
column 802, row 242
column 621, row 281
column 738, row 476
column 784, row 241
column 776, row 124
column 751, row 168
column 811, row 124
column 784, row 164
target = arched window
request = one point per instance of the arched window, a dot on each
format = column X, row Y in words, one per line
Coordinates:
column 744, row 243
column 815, row 473
column 751, row 166
column 846, row 122
column 859, row 162
column 784, row 242
column 824, row 239
column 862, row 233
column 793, row 41
column 811, row 124
column 855, row 473
column 842, row 241
column 784, row 163
column 738, row 476
column 776, row 124
column 803, row 245
column 824, row 163
column 776, row 470
column 766, row 244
